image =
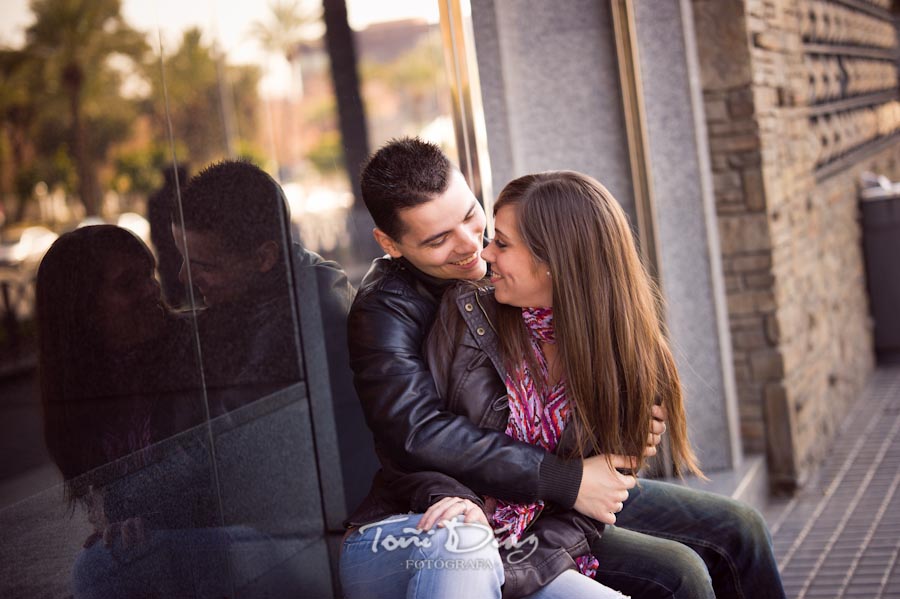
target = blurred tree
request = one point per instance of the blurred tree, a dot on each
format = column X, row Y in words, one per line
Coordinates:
column 75, row 43
column 17, row 117
column 249, row 151
column 290, row 22
column 326, row 155
column 139, row 170
column 194, row 85
column 416, row 78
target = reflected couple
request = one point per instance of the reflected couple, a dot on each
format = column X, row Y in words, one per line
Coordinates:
column 158, row 420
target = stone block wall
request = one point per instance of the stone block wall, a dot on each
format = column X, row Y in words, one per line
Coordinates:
column 800, row 98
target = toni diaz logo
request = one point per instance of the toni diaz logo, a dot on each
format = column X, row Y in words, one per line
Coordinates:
column 461, row 538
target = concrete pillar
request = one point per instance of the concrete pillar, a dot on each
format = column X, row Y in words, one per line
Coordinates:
column 552, row 100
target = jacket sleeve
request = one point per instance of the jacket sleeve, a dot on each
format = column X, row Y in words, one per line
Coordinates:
column 407, row 416
column 425, row 488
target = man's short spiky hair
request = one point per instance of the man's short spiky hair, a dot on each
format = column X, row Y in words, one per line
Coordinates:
column 402, row 174
column 238, row 202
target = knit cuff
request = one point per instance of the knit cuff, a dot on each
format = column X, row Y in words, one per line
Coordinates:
column 559, row 480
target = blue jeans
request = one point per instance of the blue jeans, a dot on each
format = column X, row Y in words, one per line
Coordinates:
column 390, row 559
column 572, row 584
column 674, row 542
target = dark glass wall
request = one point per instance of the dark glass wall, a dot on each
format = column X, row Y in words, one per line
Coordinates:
column 178, row 417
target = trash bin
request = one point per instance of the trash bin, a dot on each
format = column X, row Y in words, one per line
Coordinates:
column 880, row 208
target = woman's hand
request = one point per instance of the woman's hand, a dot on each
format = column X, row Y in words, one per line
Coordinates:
column 604, row 489
column 450, row 507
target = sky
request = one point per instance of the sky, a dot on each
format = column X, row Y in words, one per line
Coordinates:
column 225, row 20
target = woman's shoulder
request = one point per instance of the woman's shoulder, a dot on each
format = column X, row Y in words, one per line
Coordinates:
column 466, row 300
column 462, row 291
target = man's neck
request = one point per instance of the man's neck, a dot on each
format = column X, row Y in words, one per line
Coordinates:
column 432, row 285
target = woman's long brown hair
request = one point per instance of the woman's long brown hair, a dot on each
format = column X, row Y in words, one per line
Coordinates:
column 611, row 341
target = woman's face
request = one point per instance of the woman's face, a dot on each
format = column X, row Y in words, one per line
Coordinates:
column 129, row 306
column 518, row 277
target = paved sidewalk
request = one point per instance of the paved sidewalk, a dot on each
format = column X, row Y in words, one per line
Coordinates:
column 840, row 536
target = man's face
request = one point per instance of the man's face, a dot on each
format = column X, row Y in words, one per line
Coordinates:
column 443, row 237
column 221, row 275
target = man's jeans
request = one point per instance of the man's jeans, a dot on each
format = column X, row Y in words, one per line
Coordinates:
column 672, row 541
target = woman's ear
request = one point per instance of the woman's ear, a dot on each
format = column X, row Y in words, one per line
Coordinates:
column 387, row 243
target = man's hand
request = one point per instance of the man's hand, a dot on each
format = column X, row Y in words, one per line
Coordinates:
column 657, row 428
column 603, row 489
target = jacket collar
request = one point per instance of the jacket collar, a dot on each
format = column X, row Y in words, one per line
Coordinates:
column 433, row 286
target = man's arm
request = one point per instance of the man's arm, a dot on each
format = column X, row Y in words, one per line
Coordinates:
column 407, row 416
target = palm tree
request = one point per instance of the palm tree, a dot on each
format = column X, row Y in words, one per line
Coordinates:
column 288, row 24
column 73, row 39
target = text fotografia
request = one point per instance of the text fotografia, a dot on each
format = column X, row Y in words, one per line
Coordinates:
column 461, row 538
column 449, row 564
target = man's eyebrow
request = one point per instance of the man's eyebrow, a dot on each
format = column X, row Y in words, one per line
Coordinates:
column 437, row 236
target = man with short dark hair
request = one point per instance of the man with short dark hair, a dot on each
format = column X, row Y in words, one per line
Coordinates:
column 235, row 225
column 232, row 228
column 431, row 226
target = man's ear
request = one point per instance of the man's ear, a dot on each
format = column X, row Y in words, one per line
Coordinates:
column 266, row 256
column 387, row 243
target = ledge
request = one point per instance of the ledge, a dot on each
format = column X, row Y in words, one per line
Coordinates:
column 749, row 482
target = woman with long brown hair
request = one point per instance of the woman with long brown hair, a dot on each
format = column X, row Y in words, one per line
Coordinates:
column 588, row 371
column 564, row 234
column 584, row 359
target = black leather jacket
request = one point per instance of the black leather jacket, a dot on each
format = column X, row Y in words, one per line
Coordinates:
column 413, row 428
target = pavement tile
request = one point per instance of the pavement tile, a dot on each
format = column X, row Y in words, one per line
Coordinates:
column 856, row 528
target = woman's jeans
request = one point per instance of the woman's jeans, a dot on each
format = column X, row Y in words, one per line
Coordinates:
column 391, row 559
column 672, row 541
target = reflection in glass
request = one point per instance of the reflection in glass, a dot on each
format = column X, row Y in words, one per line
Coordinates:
column 178, row 421
column 230, row 230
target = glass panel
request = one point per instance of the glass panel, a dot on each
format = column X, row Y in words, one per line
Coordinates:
column 178, row 412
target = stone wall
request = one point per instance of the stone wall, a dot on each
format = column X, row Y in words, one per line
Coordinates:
column 800, row 98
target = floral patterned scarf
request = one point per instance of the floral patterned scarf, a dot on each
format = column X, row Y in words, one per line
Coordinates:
column 537, row 419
